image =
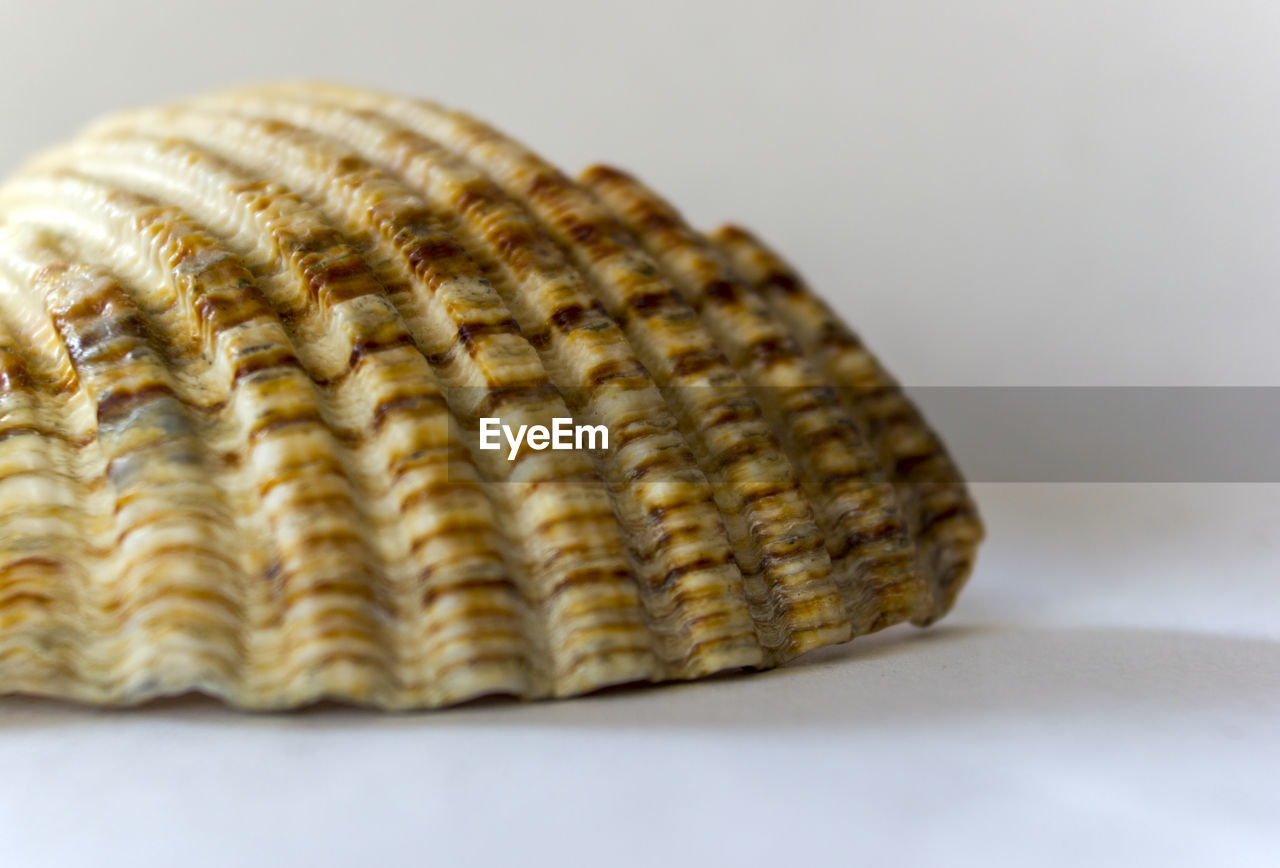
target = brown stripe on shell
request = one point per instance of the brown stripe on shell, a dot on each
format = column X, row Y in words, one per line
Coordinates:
column 589, row 359
column 173, row 527
column 791, row 587
column 325, row 581
column 395, row 421
column 942, row 513
column 47, row 520
column 444, row 299
column 857, row 508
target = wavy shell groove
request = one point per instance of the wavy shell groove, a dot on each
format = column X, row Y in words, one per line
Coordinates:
column 245, row 342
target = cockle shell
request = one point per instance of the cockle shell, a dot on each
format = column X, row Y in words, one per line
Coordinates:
column 245, row 343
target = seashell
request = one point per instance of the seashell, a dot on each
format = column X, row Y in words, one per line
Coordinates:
column 246, row 343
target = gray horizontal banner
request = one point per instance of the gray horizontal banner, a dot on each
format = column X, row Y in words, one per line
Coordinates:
column 1109, row 434
column 996, row 434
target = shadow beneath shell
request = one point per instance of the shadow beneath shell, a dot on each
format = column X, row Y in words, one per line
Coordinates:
column 901, row 678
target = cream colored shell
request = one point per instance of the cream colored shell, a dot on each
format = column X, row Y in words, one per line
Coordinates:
column 245, row 343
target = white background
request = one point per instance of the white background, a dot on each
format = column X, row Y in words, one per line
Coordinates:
column 994, row 192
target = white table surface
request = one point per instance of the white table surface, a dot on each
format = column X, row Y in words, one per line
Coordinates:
column 994, row 193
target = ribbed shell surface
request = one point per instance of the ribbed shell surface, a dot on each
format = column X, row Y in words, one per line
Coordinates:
column 245, row 346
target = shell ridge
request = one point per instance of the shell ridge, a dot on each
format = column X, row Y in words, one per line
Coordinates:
column 312, row 251
column 44, row 507
column 942, row 513
column 755, row 487
column 548, row 286
column 856, row 506
column 159, row 474
column 585, row 590
column 328, row 624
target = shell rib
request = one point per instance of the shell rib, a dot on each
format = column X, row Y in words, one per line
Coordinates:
column 246, row 343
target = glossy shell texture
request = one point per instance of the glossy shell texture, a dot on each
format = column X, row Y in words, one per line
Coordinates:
column 245, row 345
